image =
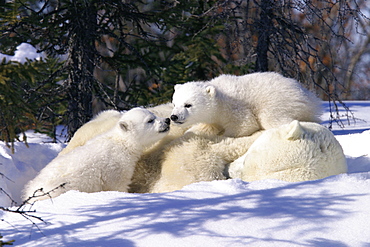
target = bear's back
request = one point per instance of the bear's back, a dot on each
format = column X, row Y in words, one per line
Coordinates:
column 254, row 85
column 273, row 98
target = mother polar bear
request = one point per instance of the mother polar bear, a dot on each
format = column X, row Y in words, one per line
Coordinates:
column 241, row 105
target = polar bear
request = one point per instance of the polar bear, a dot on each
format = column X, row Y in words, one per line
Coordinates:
column 193, row 158
column 106, row 162
column 105, row 121
column 147, row 169
column 298, row 151
column 241, row 105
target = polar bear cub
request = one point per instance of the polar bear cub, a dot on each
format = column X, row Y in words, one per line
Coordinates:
column 105, row 120
column 241, row 105
column 106, row 162
column 298, row 151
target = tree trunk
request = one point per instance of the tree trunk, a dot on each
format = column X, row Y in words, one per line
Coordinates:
column 81, row 63
column 264, row 25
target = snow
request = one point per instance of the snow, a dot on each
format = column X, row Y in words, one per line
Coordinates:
column 334, row 211
column 23, row 52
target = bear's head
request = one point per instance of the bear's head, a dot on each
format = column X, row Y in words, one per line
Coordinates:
column 298, row 151
column 144, row 126
column 194, row 102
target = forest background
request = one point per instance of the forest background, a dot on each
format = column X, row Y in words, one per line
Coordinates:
column 115, row 54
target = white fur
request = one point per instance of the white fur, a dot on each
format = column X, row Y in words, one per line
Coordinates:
column 241, row 105
column 298, row 151
column 148, row 167
column 105, row 121
column 101, row 123
column 193, row 158
column 107, row 161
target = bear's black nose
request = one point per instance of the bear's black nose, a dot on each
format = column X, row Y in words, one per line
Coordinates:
column 174, row 117
column 167, row 121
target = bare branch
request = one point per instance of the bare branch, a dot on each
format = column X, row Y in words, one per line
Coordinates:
column 29, row 213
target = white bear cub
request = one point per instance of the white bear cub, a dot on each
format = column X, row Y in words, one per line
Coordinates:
column 106, row 162
column 241, row 105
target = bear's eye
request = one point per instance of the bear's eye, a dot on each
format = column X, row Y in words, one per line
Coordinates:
column 187, row 105
column 151, row 120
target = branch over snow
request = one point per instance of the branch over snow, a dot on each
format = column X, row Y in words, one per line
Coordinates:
column 28, row 213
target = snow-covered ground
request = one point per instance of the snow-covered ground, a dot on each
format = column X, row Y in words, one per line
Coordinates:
column 334, row 211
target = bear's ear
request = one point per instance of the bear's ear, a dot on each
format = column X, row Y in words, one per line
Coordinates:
column 211, row 90
column 123, row 125
column 177, row 86
column 295, row 131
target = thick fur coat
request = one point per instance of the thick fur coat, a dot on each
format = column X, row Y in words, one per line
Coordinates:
column 241, row 105
column 105, row 162
column 298, row 151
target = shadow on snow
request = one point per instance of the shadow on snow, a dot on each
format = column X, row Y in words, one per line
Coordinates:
column 147, row 214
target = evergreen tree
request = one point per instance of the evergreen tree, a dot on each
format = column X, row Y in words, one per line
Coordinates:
column 30, row 98
column 73, row 28
column 122, row 54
